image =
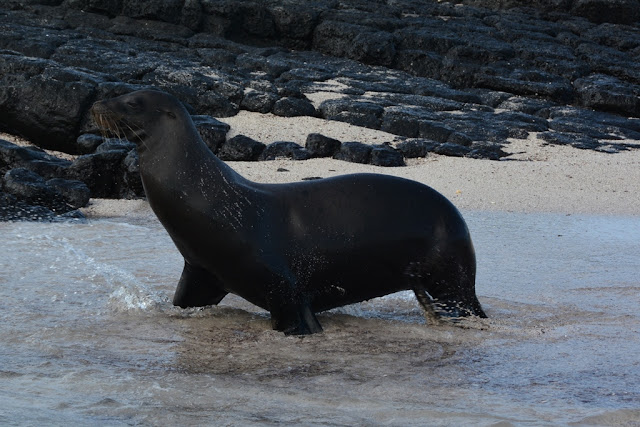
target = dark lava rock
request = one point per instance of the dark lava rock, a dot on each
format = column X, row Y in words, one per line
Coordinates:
column 111, row 144
column 12, row 155
column 48, row 107
column 284, row 149
column 12, row 209
column 355, row 42
column 526, row 105
column 526, row 57
column 321, row 146
column 258, row 101
column 574, row 139
column 486, row 151
column 75, row 193
column 87, row 143
column 419, row 62
column 451, row 149
column 403, row 120
column 293, row 107
column 412, row 148
column 33, row 159
column 295, row 23
column 355, row 152
column 386, row 156
column 271, row 66
column 27, row 185
column 307, row 74
column 469, row 126
column 33, row 189
column 213, row 132
column 459, row 139
column 609, row 94
column 241, row 148
column 166, row 11
column 594, row 124
column 48, row 168
column 301, row 154
column 216, row 96
column 101, row 172
column 522, row 81
column 358, row 113
column 617, row 11
column 434, row 130
column 426, row 103
column 132, row 182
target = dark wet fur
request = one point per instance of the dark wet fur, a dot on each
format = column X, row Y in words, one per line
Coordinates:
column 437, row 262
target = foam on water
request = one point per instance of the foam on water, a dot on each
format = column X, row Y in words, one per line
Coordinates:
column 90, row 336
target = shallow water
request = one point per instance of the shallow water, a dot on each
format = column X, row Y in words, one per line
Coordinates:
column 90, row 337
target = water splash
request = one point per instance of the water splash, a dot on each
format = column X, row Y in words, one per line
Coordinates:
column 129, row 293
column 137, row 297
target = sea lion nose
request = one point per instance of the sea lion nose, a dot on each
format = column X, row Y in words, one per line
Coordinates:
column 98, row 107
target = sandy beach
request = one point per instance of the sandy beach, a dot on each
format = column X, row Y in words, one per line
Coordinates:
column 537, row 177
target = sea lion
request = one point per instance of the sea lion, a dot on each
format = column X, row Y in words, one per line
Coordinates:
column 293, row 249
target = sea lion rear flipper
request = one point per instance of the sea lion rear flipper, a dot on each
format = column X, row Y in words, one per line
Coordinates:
column 197, row 288
column 426, row 302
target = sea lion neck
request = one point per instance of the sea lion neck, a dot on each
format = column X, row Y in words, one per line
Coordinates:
column 177, row 155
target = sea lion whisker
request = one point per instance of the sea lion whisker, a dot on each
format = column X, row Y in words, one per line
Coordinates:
column 107, row 126
column 119, row 130
column 105, row 129
column 97, row 119
column 104, row 124
column 116, row 130
column 112, row 127
column 135, row 132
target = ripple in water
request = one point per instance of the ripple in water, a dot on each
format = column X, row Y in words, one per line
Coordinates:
column 90, row 336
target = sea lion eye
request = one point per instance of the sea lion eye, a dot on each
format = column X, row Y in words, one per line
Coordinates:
column 171, row 114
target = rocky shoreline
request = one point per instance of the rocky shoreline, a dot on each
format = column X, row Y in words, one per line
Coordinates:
column 453, row 79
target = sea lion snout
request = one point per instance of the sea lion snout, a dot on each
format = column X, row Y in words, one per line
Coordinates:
column 114, row 119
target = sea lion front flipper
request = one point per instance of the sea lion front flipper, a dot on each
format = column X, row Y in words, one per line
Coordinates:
column 295, row 319
column 197, row 288
column 289, row 314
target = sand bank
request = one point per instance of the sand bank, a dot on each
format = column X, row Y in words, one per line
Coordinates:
column 537, row 177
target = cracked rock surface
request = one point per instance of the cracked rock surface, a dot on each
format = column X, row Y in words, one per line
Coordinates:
column 457, row 79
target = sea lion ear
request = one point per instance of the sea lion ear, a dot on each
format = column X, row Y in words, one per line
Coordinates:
column 171, row 114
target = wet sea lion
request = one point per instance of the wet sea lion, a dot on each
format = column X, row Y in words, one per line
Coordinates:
column 293, row 249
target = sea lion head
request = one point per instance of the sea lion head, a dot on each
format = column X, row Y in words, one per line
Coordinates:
column 139, row 116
